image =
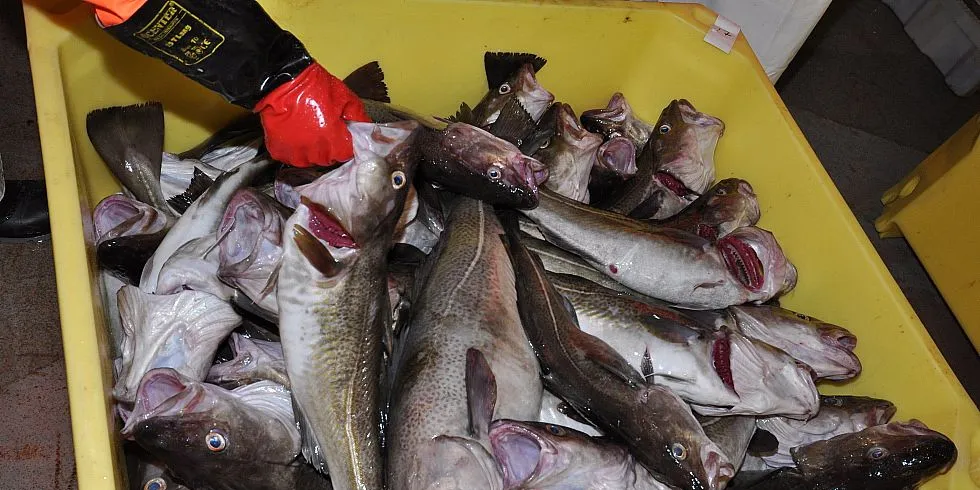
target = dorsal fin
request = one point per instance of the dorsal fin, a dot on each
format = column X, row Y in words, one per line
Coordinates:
column 481, row 392
column 501, row 66
column 463, row 115
column 514, row 123
column 368, row 82
column 200, row 183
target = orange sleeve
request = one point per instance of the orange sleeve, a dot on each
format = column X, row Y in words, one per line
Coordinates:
column 115, row 12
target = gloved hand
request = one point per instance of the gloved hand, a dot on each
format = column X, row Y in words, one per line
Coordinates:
column 234, row 48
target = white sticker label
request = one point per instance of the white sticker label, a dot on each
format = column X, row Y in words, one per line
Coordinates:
column 723, row 34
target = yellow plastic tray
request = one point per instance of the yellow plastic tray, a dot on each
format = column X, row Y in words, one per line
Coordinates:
column 432, row 53
column 935, row 208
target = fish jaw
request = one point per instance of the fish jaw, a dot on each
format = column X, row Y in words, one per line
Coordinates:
column 612, row 120
column 618, row 156
column 571, row 157
column 180, row 331
column 755, row 260
column 117, row 216
column 685, row 145
column 535, row 98
column 250, row 249
column 193, row 266
column 254, row 360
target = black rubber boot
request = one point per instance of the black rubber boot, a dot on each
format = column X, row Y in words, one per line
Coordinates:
column 24, row 212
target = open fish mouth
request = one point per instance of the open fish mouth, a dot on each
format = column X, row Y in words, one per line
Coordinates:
column 618, row 155
column 518, row 451
column 532, row 172
column 721, row 360
column 327, row 227
column 163, row 392
column 673, row 184
column 603, row 120
column 743, row 262
column 535, row 98
column 719, row 470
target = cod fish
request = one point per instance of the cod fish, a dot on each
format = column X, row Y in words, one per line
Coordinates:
column 657, row 426
column 617, row 120
column 728, row 205
column 674, row 266
column 193, row 266
column 470, row 161
column 657, row 341
column 250, row 249
column 255, row 360
column 180, row 331
column 614, row 165
column 119, row 216
column 213, row 438
column 467, row 302
column 838, row 415
column 569, row 156
column 884, row 457
column 675, row 166
column 512, row 76
column 202, row 217
column 288, row 179
column 130, row 141
column 825, row 348
column 333, row 301
column 536, row 455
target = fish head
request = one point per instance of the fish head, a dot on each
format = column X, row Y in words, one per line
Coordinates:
column 207, row 434
column 864, row 411
column 540, row 455
column 825, row 347
column 522, row 85
column 684, row 143
column 687, row 454
column 611, row 121
column 254, row 360
column 569, row 156
column 753, row 256
column 728, row 205
column 250, row 234
column 289, row 178
column 119, row 216
column 616, row 157
column 769, row 381
column 366, row 196
column 498, row 167
column 895, row 455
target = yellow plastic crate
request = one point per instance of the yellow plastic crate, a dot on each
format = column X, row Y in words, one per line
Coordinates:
column 935, row 208
column 432, row 53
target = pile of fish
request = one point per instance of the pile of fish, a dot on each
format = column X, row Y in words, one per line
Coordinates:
column 510, row 297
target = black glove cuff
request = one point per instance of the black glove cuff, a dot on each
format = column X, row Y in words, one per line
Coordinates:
column 232, row 47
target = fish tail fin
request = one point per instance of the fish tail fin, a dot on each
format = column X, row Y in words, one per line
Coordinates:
column 315, row 252
column 481, row 392
column 116, row 131
column 200, row 183
column 501, row 66
column 514, row 124
column 368, row 82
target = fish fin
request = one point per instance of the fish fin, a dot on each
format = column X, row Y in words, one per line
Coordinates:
column 311, row 448
column 119, row 131
column 514, row 123
column 602, row 354
column 463, row 115
column 273, row 281
column 646, row 366
column 501, row 66
column 200, row 183
column 569, row 307
column 763, row 443
column 246, row 127
column 368, row 82
column 481, row 392
column 315, row 252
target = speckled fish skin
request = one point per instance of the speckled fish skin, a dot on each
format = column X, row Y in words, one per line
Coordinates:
column 563, row 262
column 728, row 205
column 468, row 302
column 331, row 322
column 542, row 456
column 652, row 420
column 666, row 264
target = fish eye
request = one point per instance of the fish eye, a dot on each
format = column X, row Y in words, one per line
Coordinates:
column 721, row 191
column 215, row 441
column 504, row 89
column 664, row 128
column 546, row 144
column 877, row 453
column 678, row 451
column 398, row 179
column 494, row 173
column 556, row 430
column 155, row 484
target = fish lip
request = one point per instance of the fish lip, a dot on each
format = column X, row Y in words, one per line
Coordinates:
column 533, row 96
column 742, row 262
column 779, row 274
column 719, row 470
column 619, row 155
column 570, row 127
column 532, row 172
column 617, row 110
column 162, row 390
column 503, row 431
column 327, row 227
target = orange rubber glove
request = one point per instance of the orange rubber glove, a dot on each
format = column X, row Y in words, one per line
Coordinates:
column 243, row 55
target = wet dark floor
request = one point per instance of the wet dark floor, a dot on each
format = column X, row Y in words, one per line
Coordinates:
column 867, row 129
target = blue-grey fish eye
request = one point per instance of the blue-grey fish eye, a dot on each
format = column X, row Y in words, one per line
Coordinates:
column 155, row 484
column 664, row 128
column 877, row 453
column 398, row 179
column 678, row 451
column 504, row 89
column 216, row 441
